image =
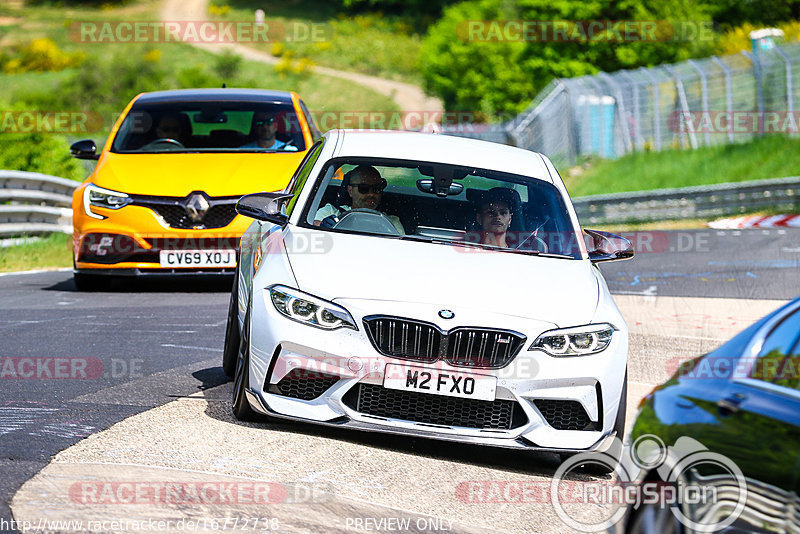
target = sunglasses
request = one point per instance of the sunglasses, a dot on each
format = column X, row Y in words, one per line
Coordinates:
column 366, row 188
column 265, row 122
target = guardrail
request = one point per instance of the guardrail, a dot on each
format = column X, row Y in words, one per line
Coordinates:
column 34, row 203
column 38, row 203
column 697, row 202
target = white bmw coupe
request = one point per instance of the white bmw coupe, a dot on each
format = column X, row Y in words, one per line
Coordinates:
column 429, row 286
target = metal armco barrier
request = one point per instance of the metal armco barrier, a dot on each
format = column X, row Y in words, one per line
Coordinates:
column 696, row 202
column 33, row 203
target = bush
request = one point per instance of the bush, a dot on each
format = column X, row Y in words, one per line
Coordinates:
column 40, row 55
column 502, row 77
column 37, row 152
column 228, row 65
column 737, row 39
column 105, row 86
column 426, row 7
column 732, row 13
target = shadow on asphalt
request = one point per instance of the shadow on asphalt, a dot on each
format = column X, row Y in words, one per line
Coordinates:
column 156, row 284
column 512, row 461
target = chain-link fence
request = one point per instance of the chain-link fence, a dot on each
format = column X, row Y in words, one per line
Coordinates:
column 696, row 103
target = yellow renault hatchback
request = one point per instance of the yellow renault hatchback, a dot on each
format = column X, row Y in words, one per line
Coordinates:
column 161, row 198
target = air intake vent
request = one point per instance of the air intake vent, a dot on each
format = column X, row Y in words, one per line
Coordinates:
column 376, row 400
column 565, row 415
column 303, row 384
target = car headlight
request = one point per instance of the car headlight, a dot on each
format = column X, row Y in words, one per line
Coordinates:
column 103, row 198
column 576, row 341
column 308, row 309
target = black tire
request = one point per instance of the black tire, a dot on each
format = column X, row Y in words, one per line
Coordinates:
column 613, row 455
column 619, row 424
column 230, row 351
column 655, row 518
column 91, row 282
column 240, row 405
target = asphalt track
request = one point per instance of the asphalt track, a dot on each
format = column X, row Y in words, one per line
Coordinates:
column 136, row 349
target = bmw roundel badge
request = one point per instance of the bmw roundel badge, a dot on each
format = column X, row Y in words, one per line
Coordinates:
column 446, row 314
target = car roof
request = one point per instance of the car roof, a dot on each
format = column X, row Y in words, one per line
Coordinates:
column 218, row 95
column 440, row 148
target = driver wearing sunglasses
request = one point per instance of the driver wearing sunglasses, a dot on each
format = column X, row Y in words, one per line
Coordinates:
column 364, row 188
column 262, row 130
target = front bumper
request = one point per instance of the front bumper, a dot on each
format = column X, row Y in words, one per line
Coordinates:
column 280, row 347
column 128, row 242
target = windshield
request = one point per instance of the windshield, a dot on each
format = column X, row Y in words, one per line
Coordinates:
column 211, row 127
column 442, row 204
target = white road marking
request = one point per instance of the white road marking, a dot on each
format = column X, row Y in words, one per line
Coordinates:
column 189, row 347
column 36, row 271
column 17, row 418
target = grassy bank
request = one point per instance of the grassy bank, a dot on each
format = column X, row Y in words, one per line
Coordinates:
column 768, row 157
column 52, row 251
column 379, row 44
column 109, row 75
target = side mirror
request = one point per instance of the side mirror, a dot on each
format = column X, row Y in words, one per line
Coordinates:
column 264, row 207
column 605, row 246
column 85, row 149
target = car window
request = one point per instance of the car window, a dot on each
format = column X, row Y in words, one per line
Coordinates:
column 301, row 174
column 315, row 133
column 778, row 361
column 210, row 126
column 481, row 207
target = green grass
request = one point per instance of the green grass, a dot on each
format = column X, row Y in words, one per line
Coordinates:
column 177, row 65
column 52, row 251
column 382, row 45
column 768, row 157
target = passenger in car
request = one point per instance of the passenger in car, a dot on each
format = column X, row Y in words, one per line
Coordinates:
column 494, row 217
column 262, row 130
column 363, row 188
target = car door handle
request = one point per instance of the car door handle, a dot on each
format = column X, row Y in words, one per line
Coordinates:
column 730, row 405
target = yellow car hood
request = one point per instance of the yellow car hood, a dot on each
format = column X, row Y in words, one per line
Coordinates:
column 217, row 174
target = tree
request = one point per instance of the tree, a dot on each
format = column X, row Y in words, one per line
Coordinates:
column 474, row 61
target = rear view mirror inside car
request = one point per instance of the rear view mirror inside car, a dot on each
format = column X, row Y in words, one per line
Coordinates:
column 426, row 186
column 210, row 117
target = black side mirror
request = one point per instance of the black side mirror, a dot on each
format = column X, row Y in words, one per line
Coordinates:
column 264, row 207
column 605, row 246
column 85, row 149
